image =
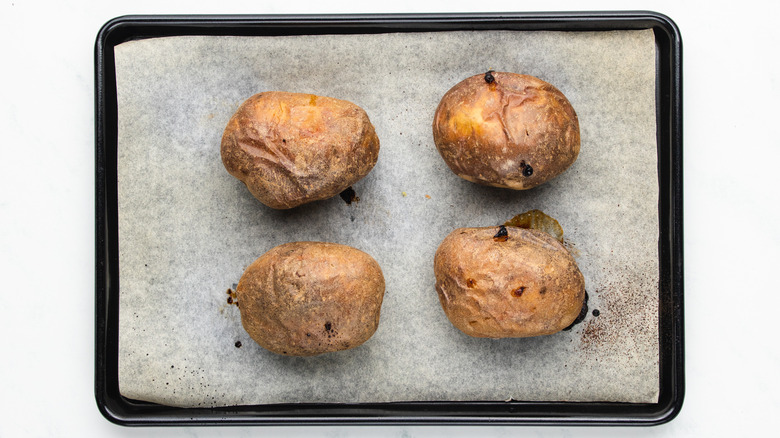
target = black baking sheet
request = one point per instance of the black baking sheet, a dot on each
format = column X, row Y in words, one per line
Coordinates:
column 125, row 411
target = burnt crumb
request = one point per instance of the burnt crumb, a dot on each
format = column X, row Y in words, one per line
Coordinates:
column 232, row 297
column 528, row 170
column 328, row 326
column 596, row 312
column 489, row 77
column 238, row 344
column 582, row 315
column 349, row 196
column 517, row 293
column 502, row 235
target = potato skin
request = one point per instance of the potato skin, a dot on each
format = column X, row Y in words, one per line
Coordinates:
column 292, row 148
column 514, row 131
column 309, row 298
column 527, row 285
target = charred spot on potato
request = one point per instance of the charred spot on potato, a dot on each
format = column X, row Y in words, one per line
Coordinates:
column 470, row 283
column 528, row 170
column 502, row 235
column 328, row 326
column 489, row 77
column 349, row 196
column 582, row 315
column 517, row 293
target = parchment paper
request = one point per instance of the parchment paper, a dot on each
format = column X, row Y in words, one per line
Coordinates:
column 187, row 229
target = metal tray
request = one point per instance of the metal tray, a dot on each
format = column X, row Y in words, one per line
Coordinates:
column 121, row 410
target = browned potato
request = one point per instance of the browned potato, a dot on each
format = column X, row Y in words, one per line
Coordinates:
column 506, row 130
column 308, row 298
column 502, row 282
column 291, row 148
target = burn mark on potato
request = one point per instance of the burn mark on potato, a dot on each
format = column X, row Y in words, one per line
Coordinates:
column 470, row 283
column 489, row 77
column 527, row 169
column 543, row 290
column 502, row 235
column 328, row 326
column 517, row 293
column 582, row 315
column 349, row 196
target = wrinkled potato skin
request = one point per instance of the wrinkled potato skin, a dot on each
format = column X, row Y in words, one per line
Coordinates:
column 528, row 285
column 486, row 131
column 291, row 148
column 309, row 298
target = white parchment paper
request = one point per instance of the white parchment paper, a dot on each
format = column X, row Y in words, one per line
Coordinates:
column 187, row 229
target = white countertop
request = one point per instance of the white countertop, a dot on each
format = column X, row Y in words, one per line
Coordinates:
column 731, row 86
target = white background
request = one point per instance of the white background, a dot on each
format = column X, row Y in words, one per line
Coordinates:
column 731, row 149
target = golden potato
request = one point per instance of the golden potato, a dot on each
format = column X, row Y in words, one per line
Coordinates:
column 499, row 282
column 292, row 148
column 309, row 298
column 506, row 130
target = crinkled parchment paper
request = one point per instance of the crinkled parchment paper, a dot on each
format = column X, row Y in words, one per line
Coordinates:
column 187, row 229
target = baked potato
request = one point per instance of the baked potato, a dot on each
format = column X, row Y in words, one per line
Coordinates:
column 292, row 148
column 506, row 130
column 309, row 298
column 502, row 282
